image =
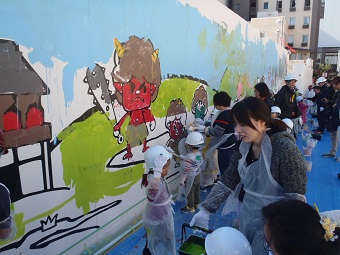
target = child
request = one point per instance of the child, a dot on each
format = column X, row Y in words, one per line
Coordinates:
column 290, row 125
column 158, row 214
column 313, row 107
column 190, row 175
column 275, row 112
column 303, row 109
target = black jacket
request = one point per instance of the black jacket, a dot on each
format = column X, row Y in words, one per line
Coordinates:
column 334, row 119
column 286, row 100
column 323, row 95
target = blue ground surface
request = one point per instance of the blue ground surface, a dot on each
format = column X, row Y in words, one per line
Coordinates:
column 323, row 188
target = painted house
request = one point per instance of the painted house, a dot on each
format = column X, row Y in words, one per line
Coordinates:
column 23, row 124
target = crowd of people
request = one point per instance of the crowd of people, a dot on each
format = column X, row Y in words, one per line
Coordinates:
column 252, row 145
column 260, row 168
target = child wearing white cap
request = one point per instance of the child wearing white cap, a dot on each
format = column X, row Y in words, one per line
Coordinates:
column 190, row 173
column 158, row 214
column 275, row 112
column 290, row 125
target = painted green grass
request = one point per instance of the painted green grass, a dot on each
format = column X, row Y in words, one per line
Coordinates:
column 182, row 88
column 88, row 145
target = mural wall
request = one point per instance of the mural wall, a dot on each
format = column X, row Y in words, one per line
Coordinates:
column 87, row 86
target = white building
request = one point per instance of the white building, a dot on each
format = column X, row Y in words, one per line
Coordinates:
column 302, row 19
column 329, row 37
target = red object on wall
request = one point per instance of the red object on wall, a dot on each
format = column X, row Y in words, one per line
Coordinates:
column 34, row 118
column 11, row 121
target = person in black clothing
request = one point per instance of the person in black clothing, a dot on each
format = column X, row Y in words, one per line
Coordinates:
column 333, row 121
column 262, row 92
column 286, row 100
column 331, row 99
column 221, row 130
column 316, row 90
column 322, row 105
column 331, row 89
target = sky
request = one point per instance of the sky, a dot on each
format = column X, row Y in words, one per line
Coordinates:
column 81, row 33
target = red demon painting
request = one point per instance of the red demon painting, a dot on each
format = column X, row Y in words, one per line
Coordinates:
column 136, row 78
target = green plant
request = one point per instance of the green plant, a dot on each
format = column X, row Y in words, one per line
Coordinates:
column 324, row 68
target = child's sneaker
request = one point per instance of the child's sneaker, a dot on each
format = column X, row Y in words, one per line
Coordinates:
column 195, row 206
column 187, row 209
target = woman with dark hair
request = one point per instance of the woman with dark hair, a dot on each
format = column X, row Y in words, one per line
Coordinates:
column 293, row 227
column 262, row 92
column 267, row 163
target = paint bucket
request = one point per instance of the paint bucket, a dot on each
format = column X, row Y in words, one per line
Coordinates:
column 306, row 136
column 307, row 151
column 309, row 165
column 312, row 143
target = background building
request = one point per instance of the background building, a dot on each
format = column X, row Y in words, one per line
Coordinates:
column 329, row 38
column 302, row 20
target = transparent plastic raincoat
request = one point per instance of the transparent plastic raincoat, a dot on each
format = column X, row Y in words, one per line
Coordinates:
column 191, row 168
column 279, row 156
column 158, row 217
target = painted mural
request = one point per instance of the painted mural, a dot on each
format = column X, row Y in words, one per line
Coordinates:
column 86, row 87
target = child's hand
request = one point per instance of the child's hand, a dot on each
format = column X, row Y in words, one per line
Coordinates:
column 200, row 128
column 181, row 157
column 201, row 219
column 198, row 121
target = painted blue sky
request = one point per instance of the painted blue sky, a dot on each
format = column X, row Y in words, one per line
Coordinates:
column 81, row 33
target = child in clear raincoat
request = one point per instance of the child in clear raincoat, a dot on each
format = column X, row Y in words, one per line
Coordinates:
column 158, row 213
column 190, row 174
